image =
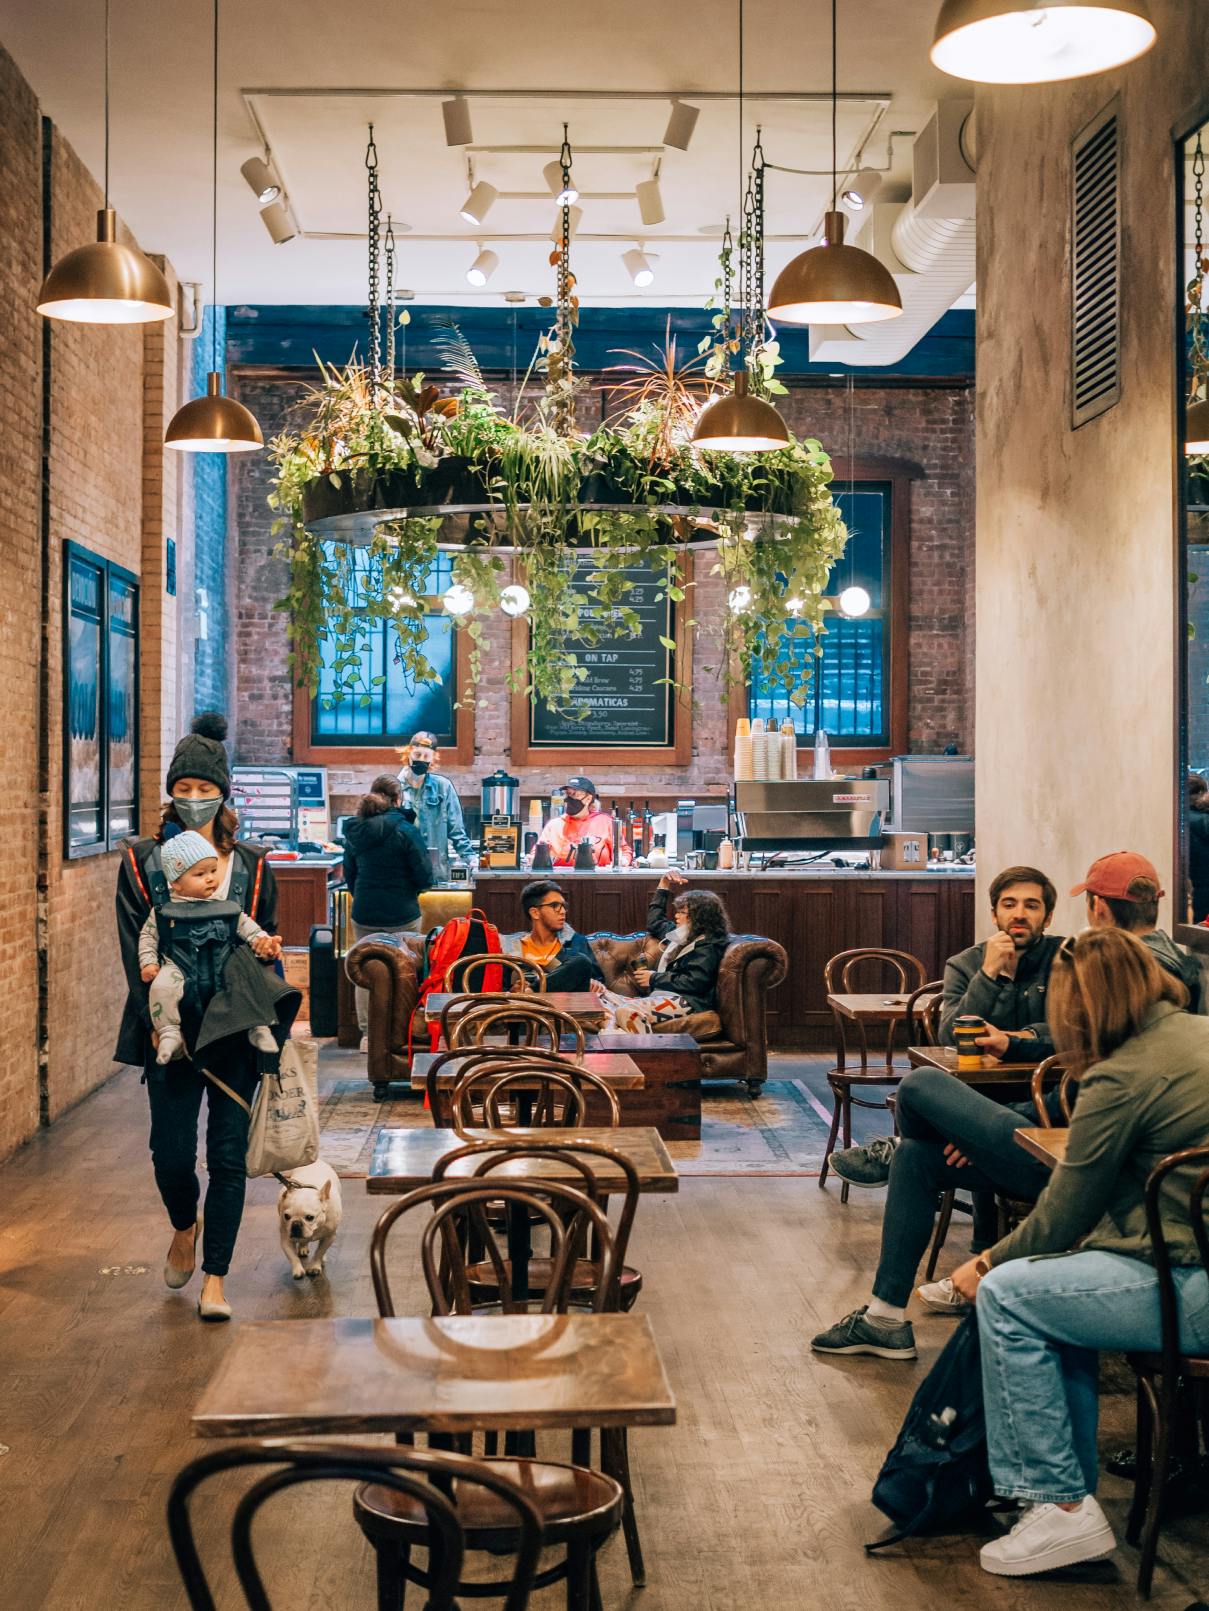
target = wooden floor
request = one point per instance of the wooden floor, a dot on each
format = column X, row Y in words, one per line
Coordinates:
column 757, row 1498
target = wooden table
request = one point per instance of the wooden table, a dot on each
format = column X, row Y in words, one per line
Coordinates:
column 1047, row 1145
column 459, row 1373
column 990, row 1072
column 404, row 1159
column 670, row 1099
column 874, row 1008
column 581, row 1005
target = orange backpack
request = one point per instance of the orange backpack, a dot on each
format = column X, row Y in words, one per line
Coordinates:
column 470, row 936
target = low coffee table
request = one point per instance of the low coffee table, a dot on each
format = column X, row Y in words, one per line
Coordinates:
column 670, row 1098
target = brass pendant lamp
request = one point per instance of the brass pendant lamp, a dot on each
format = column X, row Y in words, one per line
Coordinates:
column 1038, row 41
column 834, row 283
column 214, row 423
column 105, row 282
column 739, row 422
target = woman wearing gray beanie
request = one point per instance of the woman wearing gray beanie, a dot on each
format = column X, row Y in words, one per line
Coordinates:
column 199, row 787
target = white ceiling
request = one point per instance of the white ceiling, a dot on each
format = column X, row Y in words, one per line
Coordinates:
column 160, row 162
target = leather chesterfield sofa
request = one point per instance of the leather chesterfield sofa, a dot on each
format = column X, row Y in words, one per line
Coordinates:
column 733, row 1040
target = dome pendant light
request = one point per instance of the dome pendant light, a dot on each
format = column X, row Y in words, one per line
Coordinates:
column 105, row 282
column 1039, row 41
column 834, row 283
column 214, row 423
column 739, row 422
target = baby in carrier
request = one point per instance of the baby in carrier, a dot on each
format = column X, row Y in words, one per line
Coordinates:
column 186, row 943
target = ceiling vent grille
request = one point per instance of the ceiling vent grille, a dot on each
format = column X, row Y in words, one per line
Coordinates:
column 1096, row 267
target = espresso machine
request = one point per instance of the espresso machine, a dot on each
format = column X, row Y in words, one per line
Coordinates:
column 500, row 845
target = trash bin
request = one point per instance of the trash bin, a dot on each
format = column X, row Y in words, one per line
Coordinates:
column 323, row 980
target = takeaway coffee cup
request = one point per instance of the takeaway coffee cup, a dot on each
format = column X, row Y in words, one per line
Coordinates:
column 966, row 1031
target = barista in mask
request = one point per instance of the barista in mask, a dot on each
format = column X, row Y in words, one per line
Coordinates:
column 435, row 803
column 583, row 819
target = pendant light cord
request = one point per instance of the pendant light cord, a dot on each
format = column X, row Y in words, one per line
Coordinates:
column 835, row 96
column 107, row 104
column 214, row 206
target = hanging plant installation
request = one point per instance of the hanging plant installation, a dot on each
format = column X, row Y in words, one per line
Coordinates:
column 408, row 469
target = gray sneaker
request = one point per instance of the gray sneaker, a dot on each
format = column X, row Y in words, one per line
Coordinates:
column 856, row 1335
column 865, row 1166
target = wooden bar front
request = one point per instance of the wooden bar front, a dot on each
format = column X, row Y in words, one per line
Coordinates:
column 813, row 915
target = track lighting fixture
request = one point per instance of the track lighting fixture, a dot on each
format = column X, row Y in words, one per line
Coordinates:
column 483, row 267
column 264, row 183
column 681, row 122
column 479, row 202
column 457, row 121
column 1039, row 41
column 279, row 222
column 861, row 188
column 638, row 265
column 564, row 195
column 650, row 202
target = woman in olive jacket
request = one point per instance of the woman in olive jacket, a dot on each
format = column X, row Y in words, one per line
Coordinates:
column 199, row 784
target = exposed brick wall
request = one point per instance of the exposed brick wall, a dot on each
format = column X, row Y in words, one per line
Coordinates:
column 932, row 426
column 20, row 599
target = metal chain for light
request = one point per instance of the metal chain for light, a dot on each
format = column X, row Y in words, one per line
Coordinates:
column 753, row 328
column 374, row 234
column 390, row 304
column 728, row 278
column 1198, row 352
column 564, row 408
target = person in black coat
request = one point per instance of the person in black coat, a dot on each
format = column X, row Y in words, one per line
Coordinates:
column 1198, row 845
column 199, row 785
column 684, row 980
column 386, row 865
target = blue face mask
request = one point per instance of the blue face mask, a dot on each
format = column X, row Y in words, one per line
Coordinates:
column 196, row 813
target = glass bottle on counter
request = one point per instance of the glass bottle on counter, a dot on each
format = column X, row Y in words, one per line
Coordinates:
column 556, row 804
column 618, row 832
column 634, row 828
column 648, row 827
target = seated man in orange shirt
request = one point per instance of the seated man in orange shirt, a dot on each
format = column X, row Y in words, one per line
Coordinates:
column 583, row 819
column 551, row 945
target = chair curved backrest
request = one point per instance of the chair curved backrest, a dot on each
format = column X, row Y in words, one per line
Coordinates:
column 488, row 1083
column 407, row 1471
column 494, row 1018
column 1054, row 1068
column 458, row 1006
column 1169, row 1314
column 838, row 973
column 460, row 966
column 460, row 1221
column 922, row 1017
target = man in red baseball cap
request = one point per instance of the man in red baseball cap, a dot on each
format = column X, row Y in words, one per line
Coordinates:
column 1123, row 891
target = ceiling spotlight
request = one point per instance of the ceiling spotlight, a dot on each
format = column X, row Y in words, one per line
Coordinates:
column 278, row 221
column 650, row 201
column 638, row 264
column 483, row 267
column 861, row 188
column 1026, row 42
column 458, row 599
column 514, row 600
column 556, row 234
column 680, row 125
column 266, row 186
column 479, row 202
column 552, row 173
column 854, row 601
column 457, row 121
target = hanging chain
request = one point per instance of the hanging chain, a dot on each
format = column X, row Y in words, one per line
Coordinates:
column 1198, row 353
column 390, row 304
column 564, row 393
column 753, row 266
column 728, row 278
column 374, row 233
column 745, row 271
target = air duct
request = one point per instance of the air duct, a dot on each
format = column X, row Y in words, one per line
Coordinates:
column 927, row 244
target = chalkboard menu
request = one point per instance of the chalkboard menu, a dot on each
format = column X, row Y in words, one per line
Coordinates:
column 628, row 705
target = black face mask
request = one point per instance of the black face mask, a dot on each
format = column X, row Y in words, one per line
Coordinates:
column 574, row 807
column 420, row 767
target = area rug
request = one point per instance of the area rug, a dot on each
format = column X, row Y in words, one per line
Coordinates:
column 779, row 1132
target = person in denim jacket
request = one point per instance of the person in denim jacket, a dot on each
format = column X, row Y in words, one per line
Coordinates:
column 435, row 803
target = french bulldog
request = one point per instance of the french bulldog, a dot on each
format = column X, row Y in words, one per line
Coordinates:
column 308, row 1210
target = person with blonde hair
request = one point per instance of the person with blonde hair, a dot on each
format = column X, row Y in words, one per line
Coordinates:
column 1077, row 1275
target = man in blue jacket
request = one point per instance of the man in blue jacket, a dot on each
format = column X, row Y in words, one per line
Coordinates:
column 550, row 945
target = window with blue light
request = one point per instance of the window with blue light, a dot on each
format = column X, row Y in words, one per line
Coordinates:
column 849, row 696
column 389, row 707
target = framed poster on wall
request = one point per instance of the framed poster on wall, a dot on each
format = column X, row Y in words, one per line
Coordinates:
column 100, row 702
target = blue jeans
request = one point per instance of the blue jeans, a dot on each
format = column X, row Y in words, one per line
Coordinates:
column 935, row 1108
column 1041, row 1322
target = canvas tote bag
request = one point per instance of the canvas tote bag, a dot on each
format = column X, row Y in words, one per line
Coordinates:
column 283, row 1129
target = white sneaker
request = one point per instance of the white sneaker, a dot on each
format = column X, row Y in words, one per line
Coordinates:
column 1047, row 1537
column 944, row 1296
column 364, row 1043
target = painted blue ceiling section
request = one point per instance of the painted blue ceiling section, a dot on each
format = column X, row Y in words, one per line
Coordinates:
column 503, row 339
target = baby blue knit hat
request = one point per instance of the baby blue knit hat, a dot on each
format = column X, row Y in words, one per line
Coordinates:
column 183, row 851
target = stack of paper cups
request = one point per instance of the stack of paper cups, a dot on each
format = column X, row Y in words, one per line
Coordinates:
column 772, row 749
column 789, row 750
column 743, row 763
column 759, row 749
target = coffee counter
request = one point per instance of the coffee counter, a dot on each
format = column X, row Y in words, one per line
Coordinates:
column 813, row 913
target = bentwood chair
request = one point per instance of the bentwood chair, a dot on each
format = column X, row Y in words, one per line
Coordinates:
column 1164, row 1378
column 552, row 1097
column 921, row 1019
column 840, row 978
column 435, row 1489
column 455, row 973
column 579, row 1508
column 535, row 1018
column 501, row 1058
